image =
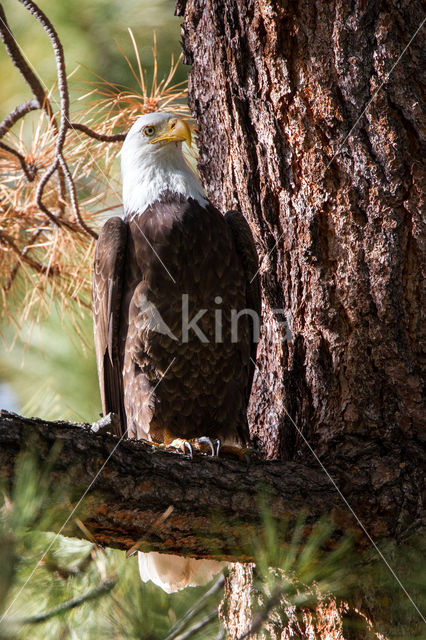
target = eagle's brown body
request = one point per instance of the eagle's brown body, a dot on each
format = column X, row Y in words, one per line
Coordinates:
column 163, row 386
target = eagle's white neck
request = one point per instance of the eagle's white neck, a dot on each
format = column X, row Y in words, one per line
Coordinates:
column 147, row 173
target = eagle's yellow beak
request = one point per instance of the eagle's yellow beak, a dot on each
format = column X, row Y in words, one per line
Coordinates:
column 176, row 130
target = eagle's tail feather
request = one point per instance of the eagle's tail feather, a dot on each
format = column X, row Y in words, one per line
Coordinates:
column 173, row 573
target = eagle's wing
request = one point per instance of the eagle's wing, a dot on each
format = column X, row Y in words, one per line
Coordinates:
column 246, row 249
column 107, row 288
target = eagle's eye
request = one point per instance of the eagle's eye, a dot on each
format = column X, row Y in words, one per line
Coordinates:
column 148, row 131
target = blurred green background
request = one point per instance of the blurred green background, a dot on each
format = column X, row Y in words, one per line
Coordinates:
column 88, row 31
column 47, row 371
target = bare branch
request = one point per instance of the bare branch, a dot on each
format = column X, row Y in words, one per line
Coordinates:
column 22, row 65
column 73, row 197
column 30, row 171
column 60, row 162
column 41, row 100
column 201, row 624
column 116, row 137
column 59, row 55
column 39, row 193
column 48, row 271
column 18, row 112
column 180, row 625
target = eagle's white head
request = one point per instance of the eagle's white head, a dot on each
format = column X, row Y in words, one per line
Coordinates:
column 152, row 162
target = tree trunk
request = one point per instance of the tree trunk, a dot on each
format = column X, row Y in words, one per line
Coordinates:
column 310, row 123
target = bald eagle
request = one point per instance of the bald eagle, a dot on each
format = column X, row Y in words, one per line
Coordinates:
column 175, row 297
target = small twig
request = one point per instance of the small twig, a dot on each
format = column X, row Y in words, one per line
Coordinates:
column 60, row 162
column 73, row 197
column 48, row 271
column 104, row 587
column 30, row 172
column 195, row 609
column 107, row 424
column 116, row 137
column 87, row 534
column 21, row 64
column 18, row 112
column 68, row 572
column 22, row 254
column 197, row 626
column 39, row 193
column 166, row 514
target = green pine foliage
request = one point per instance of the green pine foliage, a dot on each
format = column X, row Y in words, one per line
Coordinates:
column 41, row 573
column 55, row 587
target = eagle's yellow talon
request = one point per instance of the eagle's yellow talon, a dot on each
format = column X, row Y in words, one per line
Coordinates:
column 203, row 445
column 182, row 445
column 211, row 444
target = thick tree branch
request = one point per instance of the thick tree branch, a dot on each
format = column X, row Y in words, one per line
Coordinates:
column 215, row 502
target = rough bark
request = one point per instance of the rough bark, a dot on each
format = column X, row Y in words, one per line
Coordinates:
column 297, row 131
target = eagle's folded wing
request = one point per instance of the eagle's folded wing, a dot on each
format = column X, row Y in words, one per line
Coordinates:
column 106, row 296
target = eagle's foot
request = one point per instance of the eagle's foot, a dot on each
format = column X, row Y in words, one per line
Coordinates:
column 203, row 445
column 107, row 424
column 182, row 445
column 213, row 446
